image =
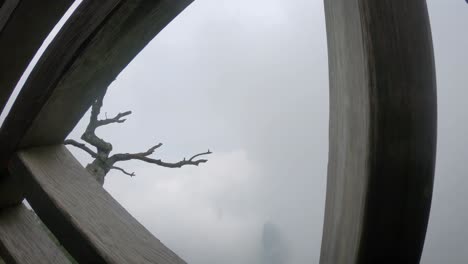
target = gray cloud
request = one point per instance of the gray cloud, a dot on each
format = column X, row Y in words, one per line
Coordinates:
column 447, row 235
column 249, row 80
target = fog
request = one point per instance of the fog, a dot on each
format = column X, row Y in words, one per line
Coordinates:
column 248, row 79
column 447, row 233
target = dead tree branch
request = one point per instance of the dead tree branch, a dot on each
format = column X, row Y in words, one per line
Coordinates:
column 103, row 147
column 103, row 161
column 144, row 157
column 81, row 146
column 116, row 119
column 131, row 174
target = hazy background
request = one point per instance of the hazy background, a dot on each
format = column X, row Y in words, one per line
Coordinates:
column 249, row 80
column 447, row 235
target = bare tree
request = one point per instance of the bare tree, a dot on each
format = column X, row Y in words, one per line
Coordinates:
column 103, row 160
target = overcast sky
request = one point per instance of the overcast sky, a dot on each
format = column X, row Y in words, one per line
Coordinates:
column 447, row 235
column 249, row 80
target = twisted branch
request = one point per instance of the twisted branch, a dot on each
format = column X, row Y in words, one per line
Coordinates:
column 116, row 119
column 81, row 146
column 144, row 157
column 102, row 156
column 89, row 136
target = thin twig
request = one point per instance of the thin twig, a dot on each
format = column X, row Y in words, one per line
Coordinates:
column 131, row 174
column 115, row 119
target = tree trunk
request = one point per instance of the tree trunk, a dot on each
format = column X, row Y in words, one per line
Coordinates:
column 97, row 170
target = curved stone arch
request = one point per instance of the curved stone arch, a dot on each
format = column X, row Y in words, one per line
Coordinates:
column 383, row 125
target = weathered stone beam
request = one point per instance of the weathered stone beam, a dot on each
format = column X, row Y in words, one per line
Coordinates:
column 382, row 131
